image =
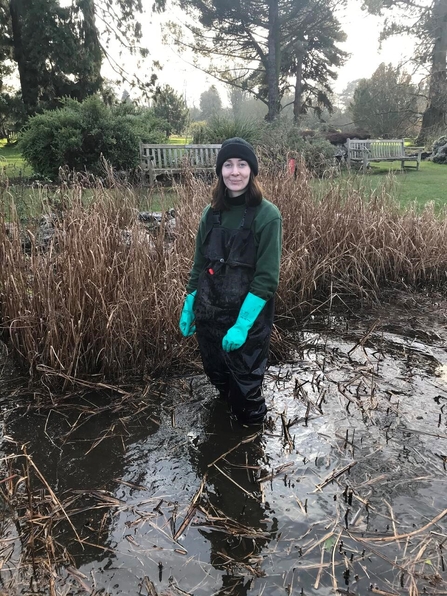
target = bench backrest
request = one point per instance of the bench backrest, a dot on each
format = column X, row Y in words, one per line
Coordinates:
column 376, row 148
column 160, row 158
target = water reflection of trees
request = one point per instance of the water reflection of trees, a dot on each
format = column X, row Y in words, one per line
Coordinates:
column 75, row 451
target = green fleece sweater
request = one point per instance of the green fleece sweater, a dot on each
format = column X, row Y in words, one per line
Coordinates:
column 267, row 230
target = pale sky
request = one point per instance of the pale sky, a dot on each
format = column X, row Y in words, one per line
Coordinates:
column 362, row 43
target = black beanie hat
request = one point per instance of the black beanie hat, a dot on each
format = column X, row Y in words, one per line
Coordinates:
column 237, row 147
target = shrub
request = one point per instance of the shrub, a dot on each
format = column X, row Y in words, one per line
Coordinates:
column 220, row 128
column 80, row 135
column 199, row 132
column 282, row 139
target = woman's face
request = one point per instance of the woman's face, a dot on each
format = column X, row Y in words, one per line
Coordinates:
column 236, row 174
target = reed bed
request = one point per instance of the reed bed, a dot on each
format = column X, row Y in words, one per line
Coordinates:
column 101, row 300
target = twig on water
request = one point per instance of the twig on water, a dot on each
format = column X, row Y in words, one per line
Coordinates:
column 334, row 549
column 249, row 494
column 249, row 439
column 333, row 475
column 191, row 509
column 320, row 569
column 434, row 521
column 47, row 370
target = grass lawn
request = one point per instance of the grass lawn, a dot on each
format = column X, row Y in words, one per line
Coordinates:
column 412, row 186
column 12, row 163
column 429, row 183
column 178, row 140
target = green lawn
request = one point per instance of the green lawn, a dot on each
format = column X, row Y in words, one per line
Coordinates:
column 12, row 163
column 429, row 183
column 178, row 140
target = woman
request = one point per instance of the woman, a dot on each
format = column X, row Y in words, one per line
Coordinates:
column 233, row 280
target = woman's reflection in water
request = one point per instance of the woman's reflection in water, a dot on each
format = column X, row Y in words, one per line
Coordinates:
column 233, row 459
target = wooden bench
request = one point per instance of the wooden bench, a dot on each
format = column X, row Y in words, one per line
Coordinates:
column 370, row 150
column 174, row 159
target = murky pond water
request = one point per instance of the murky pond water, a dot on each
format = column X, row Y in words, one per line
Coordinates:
column 160, row 492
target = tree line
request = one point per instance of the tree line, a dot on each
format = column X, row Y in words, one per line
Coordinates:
column 284, row 53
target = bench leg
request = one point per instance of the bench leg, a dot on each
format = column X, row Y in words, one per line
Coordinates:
column 151, row 176
column 365, row 164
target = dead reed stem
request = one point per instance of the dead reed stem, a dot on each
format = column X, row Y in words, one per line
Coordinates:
column 100, row 300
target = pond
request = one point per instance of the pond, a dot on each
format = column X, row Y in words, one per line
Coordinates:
column 159, row 491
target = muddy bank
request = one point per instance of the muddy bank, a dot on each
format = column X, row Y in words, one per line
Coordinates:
column 160, row 492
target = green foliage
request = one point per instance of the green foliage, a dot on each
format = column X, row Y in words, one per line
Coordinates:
column 80, row 135
column 281, row 140
column 220, row 128
column 145, row 125
column 57, row 51
column 387, row 104
column 57, row 48
column 318, row 155
column 199, row 132
column 171, row 107
column 210, row 103
column 440, row 150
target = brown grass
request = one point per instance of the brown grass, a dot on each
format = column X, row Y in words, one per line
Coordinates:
column 103, row 300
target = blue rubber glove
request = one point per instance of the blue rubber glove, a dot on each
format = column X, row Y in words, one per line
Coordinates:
column 237, row 335
column 187, row 317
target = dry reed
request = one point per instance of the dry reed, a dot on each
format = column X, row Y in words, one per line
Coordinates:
column 102, row 300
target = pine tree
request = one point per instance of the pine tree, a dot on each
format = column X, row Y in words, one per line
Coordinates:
column 265, row 46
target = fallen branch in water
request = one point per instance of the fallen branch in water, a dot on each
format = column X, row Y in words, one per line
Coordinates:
column 409, row 534
column 333, row 475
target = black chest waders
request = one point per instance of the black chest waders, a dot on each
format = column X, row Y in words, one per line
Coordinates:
column 222, row 288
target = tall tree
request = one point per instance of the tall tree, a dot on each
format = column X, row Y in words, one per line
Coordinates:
column 386, row 105
column 428, row 23
column 347, row 95
column 236, row 98
column 275, row 40
column 310, row 56
column 210, row 103
column 435, row 116
column 57, row 48
column 6, row 67
column 170, row 107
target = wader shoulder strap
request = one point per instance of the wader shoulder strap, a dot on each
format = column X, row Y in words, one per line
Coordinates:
column 213, row 219
column 248, row 218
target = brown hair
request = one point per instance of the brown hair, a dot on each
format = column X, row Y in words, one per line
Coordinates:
column 253, row 194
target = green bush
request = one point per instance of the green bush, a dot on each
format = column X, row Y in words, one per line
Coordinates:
column 80, row 135
column 281, row 140
column 220, row 128
column 199, row 132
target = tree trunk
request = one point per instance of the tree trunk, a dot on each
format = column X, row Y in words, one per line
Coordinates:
column 434, row 118
column 273, row 61
column 90, row 78
column 27, row 72
column 297, row 101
